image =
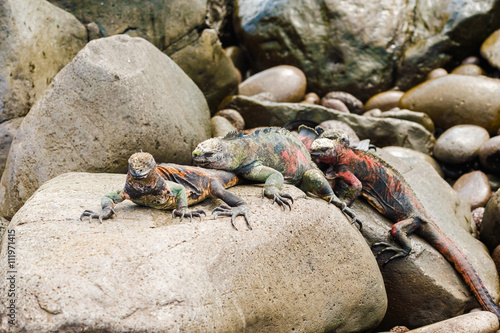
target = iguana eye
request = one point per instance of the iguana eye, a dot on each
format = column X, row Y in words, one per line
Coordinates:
column 209, row 154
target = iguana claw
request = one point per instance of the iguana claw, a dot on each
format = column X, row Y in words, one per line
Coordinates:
column 233, row 212
column 346, row 210
column 279, row 198
column 389, row 247
column 183, row 211
column 105, row 214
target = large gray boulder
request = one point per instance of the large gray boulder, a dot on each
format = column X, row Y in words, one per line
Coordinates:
column 424, row 287
column 177, row 28
column 342, row 45
column 36, row 41
column 118, row 96
column 144, row 271
column 8, row 130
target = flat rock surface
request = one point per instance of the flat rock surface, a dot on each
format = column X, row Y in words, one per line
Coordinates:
column 144, row 271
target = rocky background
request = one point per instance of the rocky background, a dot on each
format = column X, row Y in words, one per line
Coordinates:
column 84, row 84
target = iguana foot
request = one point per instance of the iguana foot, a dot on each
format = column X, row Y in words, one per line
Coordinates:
column 389, row 247
column 105, row 214
column 183, row 211
column 233, row 212
column 279, row 198
column 346, row 210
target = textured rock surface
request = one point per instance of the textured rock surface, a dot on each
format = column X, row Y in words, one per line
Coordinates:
column 411, row 157
column 475, row 322
column 144, row 271
column 396, row 113
column 37, row 40
column 118, row 96
column 457, row 99
column 382, row 131
column 8, row 130
column 490, row 227
column 424, row 287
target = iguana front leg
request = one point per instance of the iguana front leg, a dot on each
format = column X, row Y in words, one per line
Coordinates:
column 352, row 181
column 314, row 182
column 181, row 202
column 273, row 182
column 108, row 203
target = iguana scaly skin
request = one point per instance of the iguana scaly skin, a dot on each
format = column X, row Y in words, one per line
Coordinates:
column 273, row 156
column 173, row 186
column 387, row 191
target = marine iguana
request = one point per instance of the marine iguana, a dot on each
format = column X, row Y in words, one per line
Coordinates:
column 173, row 186
column 386, row 190
column 272, row 155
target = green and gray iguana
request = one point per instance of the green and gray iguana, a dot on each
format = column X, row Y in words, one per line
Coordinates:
column 386, row 190
column 273, row 156
column 173, row 186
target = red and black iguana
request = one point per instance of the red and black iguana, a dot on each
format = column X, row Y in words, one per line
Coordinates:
column 173, row 186
column 387, row 191
column 273, row 156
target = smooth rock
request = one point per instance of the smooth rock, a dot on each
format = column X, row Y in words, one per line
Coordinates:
column 412, row 157
column 490, row 49
column 468, row 69
column 397, row 113
column 238, row 57
column 312, row 98
column 496, row 258
column 234, row 118
column 8, row 130
column 145, row 271
column 384, row 101
column 424, row 287
column 381, row 131
column 437, row 72
column 494, row 181
column 471, row 60
column 118, row 96
column 336, row 104
column 490, row 227
column 489, row 155
column 221, row 126
column 37, row 39
column 474, row 187
column 353, row 104
column 285, row 83
column 457, row 99
column 460, row 144
column 205, row 62
column 474, row 322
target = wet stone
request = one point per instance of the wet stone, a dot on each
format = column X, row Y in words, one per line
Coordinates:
column 285, row 83
column 384, row 101
column 460, row 144
column 489, row 155
column 474, row 187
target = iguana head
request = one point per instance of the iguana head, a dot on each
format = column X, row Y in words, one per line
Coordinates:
column 326, row 150
column 214, row 154
column 141, row 165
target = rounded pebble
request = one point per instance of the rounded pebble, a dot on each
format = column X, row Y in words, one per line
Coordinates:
column 471, row 60
column 384, row 101
column 460, row 144
column 221, row 126
column 494, row 181
column 353, row 104
column 489, row 233
column 468, row 69
column 336, row 104
column 285, row 83
column 311, row 98
column 234, row 117
column 474, row 187
column 496, row 258
column 489, row 154
column 435, row 73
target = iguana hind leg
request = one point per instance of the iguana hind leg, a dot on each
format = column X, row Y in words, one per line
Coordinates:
column 236, row 206
column 400, row 232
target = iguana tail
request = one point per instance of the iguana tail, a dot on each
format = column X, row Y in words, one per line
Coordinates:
column 437, row 238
